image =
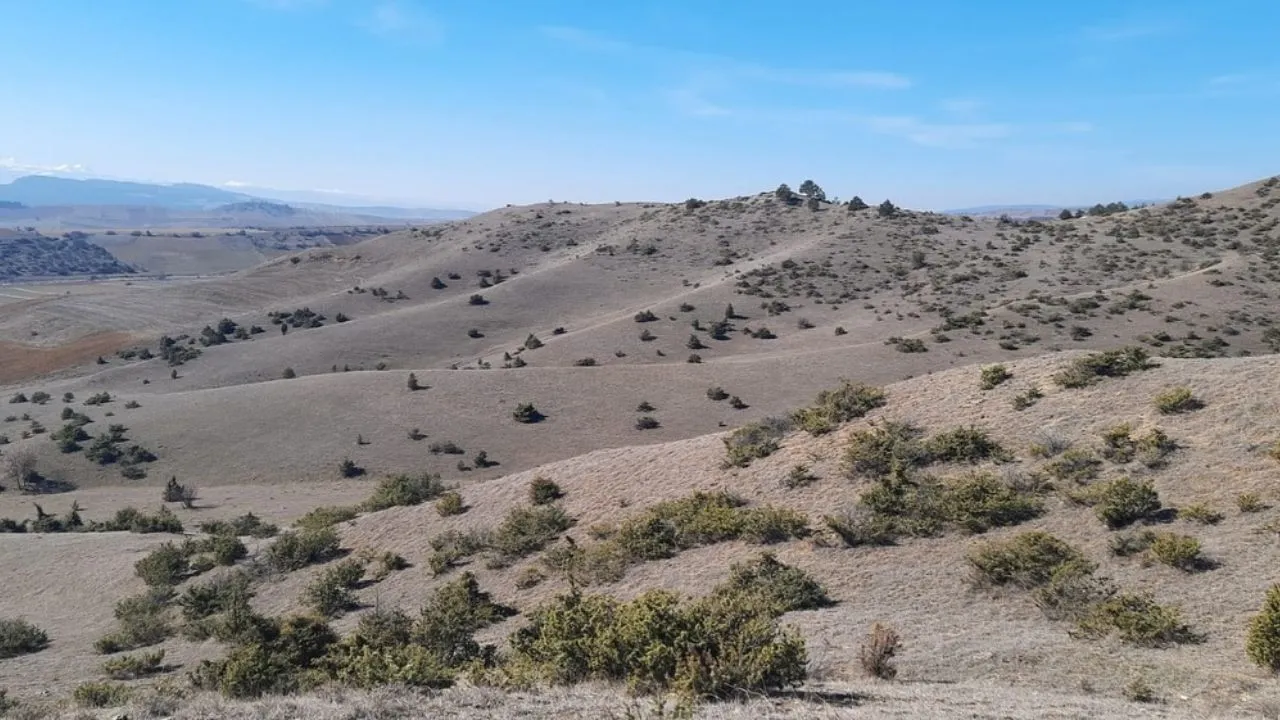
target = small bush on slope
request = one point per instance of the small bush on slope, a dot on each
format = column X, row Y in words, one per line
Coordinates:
column 19, row 637
column 543, row 491
column 132, row 667
column 724, row 645
column 667, row 528
column 525, row 531
column 329, row 595
column 1026, row 561
column 994, row 375
column 404, row 490
column 755, row 440
column 247, row 524
column 1263, row 643
column 1177, row 400
column 1091, row 369
column 296, row 550
column 833, row 407
column 782, row 586
column 142, row 621
column 1123, row 501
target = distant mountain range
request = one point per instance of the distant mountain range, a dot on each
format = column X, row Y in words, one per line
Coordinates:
column 49, row 200
column 1033, row 210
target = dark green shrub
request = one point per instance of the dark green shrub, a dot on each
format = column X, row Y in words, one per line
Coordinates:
column 1123, row 501
column 994, row 375
column 296, row 550
column 726, row 645
column 965, row 444
column 19, row 637
column 1074, row 465
column 799, row 476
column 451, row 617
column 279, row 658
column 201, row 601
column 526, row 413
column 981, row 501
column 862, row 527
column 1263, row 642
column 245, row 525
column 777, row 584
column 543, row 491
column 755, row 440
column 348, row 468
column 833, row 407
column 101, row 694
column 329, row 595
column 165, row 566
column 883, row 449
column 450, row 503
column 1200, row 513
column 134, row 520
column 405, row 490
column 1091, row 369
column 326, row 516
column 717, row 393
column 647, row 422
column 703, row 519
column 527, row 530
column 1139, row 620
column 142, row 621
column 1028, row 560
column 1177, row 551
column 132, row 667
column 1177, row 400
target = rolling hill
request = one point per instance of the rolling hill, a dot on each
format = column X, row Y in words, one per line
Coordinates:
column 263, row 388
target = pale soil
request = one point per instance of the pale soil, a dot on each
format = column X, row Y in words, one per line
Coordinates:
column 874, row 701
column 253, row 442
column 951, row 633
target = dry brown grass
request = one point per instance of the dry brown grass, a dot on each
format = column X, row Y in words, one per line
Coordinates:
column 254, row 443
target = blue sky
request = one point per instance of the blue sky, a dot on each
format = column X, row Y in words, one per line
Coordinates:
column 475, row 103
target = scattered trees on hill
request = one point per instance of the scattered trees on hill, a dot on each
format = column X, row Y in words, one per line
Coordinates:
column 811, row 190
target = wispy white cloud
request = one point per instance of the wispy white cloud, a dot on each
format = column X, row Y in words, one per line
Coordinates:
column 237, row 184
column 13, row 165
column 690, row 101
column 1129, row 29
column 404, row 19
column 937, row 134
column 734, row 68
column 1229, row 80
column 583, row 40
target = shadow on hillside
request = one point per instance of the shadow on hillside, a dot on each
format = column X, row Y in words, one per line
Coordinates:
column 41, row 485
column 830, row 698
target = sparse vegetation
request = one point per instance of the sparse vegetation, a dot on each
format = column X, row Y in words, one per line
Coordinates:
column 755, row 440
column 1091, row 369
column 848, row 402
column 19, row 637
column 993, row 376
column 878, row 650
column 1177, row 400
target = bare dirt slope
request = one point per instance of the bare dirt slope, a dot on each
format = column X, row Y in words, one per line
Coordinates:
column 953, row 633
column 831, row 292
column 917, row 302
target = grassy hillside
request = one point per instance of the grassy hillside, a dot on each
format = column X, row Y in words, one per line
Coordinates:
column 1051, row 471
